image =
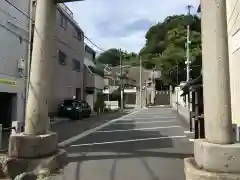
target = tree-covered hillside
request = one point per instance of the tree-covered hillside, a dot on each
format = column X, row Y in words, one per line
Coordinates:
column 165, row 48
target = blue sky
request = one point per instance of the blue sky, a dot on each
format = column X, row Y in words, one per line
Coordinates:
column 124, row 23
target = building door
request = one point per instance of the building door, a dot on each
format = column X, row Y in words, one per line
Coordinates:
column 78, row 93
column 6, row 109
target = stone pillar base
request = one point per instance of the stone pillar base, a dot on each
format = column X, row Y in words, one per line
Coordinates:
column 193, row 172
column 217, row 157
column 32, row 154
column 27, row 146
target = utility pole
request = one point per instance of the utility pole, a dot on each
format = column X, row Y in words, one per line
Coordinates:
column 121, row 82
column 177, row 90
column 189, row 7
column 140, row 82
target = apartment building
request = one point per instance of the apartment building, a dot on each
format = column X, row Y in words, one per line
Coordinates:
column 93, row 77
column 68, row 57
column 14, row 38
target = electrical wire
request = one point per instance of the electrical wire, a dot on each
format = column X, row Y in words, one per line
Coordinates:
column 18, row 9
column 26, row 15
column 56, row 39
column 3, row 11
column 234, row 24
column 235, row 5
column 14, row 33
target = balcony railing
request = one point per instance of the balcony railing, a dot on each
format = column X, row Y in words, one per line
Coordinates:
column 66, row 9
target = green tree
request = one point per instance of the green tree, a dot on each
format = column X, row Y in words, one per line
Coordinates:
column 165, row 47
column 112, row 57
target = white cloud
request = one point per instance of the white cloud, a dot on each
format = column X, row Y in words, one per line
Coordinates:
column 108, row 22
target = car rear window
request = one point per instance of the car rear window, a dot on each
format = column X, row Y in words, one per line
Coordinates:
column 68, row 103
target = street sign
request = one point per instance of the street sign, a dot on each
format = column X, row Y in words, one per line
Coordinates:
column 7, row 81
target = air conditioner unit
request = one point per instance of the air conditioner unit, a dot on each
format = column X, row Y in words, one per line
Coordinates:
column 21, row 64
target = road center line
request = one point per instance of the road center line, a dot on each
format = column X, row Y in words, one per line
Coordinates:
column 140, row 129
column 126, row 141
column 90, row 131
column 144, row 122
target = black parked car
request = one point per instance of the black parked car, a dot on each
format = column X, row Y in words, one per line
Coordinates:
column 74, row 109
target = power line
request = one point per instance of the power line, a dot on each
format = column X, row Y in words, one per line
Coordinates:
column 19, row 36
column 230, row 31
column 3, row 11
column 26, row 15
column 93, row 43
column 18, row 9
column 235, row 5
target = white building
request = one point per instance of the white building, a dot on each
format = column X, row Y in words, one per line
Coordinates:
column 14, row 38
column 93, row 77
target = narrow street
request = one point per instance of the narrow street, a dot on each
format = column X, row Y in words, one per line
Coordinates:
column 148, row 144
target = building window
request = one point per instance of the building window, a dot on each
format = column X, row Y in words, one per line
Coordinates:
column 76, row 65
column 62, row 57
column 34, row 3
column 63, row 21
column 78, row 34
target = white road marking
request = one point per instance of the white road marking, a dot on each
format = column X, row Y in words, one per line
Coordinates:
column 126, row 141
column 145, row 122
column 139, row 118
column 192, row 140
column 52, row 122
column 188, row 132
column 90, row 131
column 140, row 129
column 154, row 114
column 159, row 113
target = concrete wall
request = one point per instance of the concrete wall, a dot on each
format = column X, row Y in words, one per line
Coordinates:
column 88, row 77
column 233, row 9
column 179, row 105
column 113, row 105
column 13, row 24
column 99, row 82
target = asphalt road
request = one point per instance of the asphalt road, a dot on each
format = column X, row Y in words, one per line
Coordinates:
column 146, row 145
column 67, row 129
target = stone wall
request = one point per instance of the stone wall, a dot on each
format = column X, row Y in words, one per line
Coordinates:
column 179, row 105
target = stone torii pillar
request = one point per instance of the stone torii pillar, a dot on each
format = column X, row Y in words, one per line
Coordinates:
column 217, row 157
column 37, row 142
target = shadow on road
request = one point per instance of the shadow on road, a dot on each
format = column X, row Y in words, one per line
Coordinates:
column 113, row 144
column 115, row 148
column 68, row 129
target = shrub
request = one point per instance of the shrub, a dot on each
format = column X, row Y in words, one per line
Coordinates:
column 99, row 104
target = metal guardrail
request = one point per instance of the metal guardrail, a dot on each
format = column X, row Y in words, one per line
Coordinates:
column 199, row 127
column 2, row 130
column 15, row 128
